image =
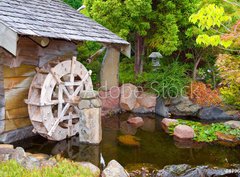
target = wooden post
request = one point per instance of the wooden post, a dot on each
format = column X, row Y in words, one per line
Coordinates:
column 110, row 69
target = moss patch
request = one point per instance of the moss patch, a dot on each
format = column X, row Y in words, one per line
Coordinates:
column 64, row 168
column 206, row 132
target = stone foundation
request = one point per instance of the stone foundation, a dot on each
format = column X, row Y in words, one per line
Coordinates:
column 90, row 128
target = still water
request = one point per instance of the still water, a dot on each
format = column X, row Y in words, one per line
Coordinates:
column 156, row 147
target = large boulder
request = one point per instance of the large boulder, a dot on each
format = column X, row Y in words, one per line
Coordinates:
column 161, row 109
column 213, row 113
column 183, row 106
column 110, row 101
column 147, row 100
column 146, row 103
column 114, row 169
column 129, row 94
column 183, row 132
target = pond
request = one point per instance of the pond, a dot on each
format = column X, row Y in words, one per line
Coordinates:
column 156, row 147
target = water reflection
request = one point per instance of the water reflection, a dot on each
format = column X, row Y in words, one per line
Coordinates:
column 156, row 147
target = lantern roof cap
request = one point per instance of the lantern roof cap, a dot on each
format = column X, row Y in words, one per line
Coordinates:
column 155, row 55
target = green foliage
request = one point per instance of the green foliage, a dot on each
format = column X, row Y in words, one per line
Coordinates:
column 212, row 20
column 206, row 132
column 74, row 3
column 231, row 94
column 228, row 66
column 209, row 16
column 169, row 24
column 122, row 17
column 167, row 81
column 84, row 52
column 64, row 168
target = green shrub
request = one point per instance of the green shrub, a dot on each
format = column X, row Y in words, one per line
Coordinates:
column 168, row 80
column 231, row 94
column 64, row 168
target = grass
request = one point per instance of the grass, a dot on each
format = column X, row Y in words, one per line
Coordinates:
column 64, row 168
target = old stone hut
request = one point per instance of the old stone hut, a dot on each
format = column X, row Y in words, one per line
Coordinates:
column 35, row 36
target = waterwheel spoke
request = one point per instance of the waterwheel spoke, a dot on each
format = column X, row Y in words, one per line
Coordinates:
column 71, row 88
column 60, row 99
column 65, row 90
column 59, row 119
column 79, row 88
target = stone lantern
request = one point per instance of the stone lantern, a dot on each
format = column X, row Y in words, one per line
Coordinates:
column 155, row 56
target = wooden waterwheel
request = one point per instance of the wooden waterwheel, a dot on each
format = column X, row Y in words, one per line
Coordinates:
column 54, row 96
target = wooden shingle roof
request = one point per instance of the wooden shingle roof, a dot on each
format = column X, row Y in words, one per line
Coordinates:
column 53, row 19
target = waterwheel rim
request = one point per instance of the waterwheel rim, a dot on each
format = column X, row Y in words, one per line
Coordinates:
column 53, row 106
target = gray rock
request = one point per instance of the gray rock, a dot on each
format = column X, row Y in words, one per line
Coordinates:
column 199, row 171
column 161, row 109
column 84, row 104
column 30, row 163
column 233, row 123
column 88, row 94
column 183, row 106
column 143, row 110
column 4, row 157
column 16, row 135
column 96, row 103
column 173, row 170
column 94, row 169
column 90, row 128
column 213, row 113
column 114, row 169
column 47, row 163
column 18, row 154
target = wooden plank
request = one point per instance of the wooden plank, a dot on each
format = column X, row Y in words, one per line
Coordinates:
column 14, row 98
column 55, row 49
column 2, row 99
column 8, row 39
column 14, row 124
column 17, row 82
column 17, row 113
column 23, row 70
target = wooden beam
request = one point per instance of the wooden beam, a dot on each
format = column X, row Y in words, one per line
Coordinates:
column 8, row 39
column 124, row 49
column 95, row 55
column 42, row 41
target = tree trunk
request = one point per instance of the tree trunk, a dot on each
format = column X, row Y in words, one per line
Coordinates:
column 195, row 68
column 139, row 54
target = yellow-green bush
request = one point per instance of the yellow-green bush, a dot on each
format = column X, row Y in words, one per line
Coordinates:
column 229, row 68
column 231, row 95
